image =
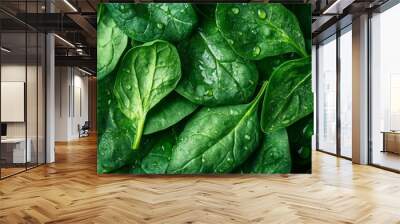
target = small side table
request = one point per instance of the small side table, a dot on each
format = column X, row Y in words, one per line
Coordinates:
column 391, row 141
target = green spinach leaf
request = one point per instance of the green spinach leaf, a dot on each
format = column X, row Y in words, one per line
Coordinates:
column 300, row 137
column 147, row 74
column 114, row 150
column 256, row 31
column 213, row 73
column 289, row 96
column 273, row 156
column 152, row 21
column 303, row 14
column 217, row 140
column 104, row 101
column 168, row 112
column 267, row 65
column 159, row 153
column 111, row 43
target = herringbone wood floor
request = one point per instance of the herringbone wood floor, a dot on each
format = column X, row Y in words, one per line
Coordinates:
column 70, row 191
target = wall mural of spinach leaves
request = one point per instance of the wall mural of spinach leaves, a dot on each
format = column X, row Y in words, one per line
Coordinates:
column 204, row 89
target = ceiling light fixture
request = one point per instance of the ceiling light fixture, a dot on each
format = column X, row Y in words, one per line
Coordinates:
column 84, row 71
column 5, row 50
column 70, row 5
column 65, row 41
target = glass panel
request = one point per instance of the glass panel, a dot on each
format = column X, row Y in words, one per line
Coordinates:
column 346, row 93
column 13, row 86
column 385, row 89
column 327, row 96
column 31, row 98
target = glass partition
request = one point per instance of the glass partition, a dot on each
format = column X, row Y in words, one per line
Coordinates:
column 346, row 92
column 327, row 95
column 22, row 77
column 385, row 89
column 14, row 151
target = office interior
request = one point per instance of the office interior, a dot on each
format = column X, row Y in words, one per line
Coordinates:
column 48, row 83
column 355, row 67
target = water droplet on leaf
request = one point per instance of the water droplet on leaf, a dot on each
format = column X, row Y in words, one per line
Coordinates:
column 160, row 26
column 235, row 11
column 266, row 31
column 256, row 51
column 261, row 14
column 209, row 93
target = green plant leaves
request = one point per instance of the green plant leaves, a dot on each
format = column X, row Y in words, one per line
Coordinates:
column 273, row 157
column 289, row 96
column 213, row 73
column 111, row 43
column 147, row 74
column 217, row 140
column 256, row 31
column 159, row 154
column 300, row 137
column 152, row 21
column 168, row 112
column 104, row 99
column 115, row 150
column 267, row 65
column 193, row 110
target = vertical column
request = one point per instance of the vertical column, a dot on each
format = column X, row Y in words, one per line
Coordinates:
column 50, row 92
column 360, row 90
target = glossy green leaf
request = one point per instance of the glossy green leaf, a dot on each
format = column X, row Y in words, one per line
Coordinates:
column 256, row 31
column 300, row 137
column 111, row 43
column 273, row 156
column 104, row 99
column 159, row 153
column 168, row 112
column 217, row 140
column 147, row 74
column 152, row 21
column 268, row 65
column 114, row 150
column 212, row 73
column 289, row 96
column 303, row 14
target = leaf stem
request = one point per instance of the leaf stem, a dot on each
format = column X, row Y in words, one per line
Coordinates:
column 138, row 135
column 259, row 95
column 301, row 51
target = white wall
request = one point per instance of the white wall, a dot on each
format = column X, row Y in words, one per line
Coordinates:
column 71, row 94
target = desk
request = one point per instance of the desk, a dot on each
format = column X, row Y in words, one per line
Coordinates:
column 18, row 150
column 391, row 141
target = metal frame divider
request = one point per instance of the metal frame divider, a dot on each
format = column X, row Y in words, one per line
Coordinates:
column 338, row 99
